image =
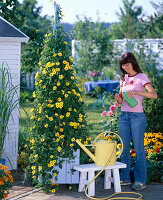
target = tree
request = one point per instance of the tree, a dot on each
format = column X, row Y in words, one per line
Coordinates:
column 129, row 26
column 12, row 12
column 58, row 113
column 94, row 47
column 153, row 25
column 35, row 26
column 26, row 17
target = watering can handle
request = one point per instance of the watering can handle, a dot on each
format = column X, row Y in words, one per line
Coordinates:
column 114, row 134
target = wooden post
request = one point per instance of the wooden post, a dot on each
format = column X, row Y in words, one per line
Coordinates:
column 56, row 9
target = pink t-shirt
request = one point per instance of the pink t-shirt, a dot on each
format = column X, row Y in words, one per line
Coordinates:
column 137, row 83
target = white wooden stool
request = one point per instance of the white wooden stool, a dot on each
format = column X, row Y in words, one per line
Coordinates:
column 87, row 173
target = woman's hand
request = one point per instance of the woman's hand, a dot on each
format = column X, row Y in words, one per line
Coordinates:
column 130, row 93
column 118, row 98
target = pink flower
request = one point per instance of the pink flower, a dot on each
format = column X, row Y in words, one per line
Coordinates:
column 116, row 104
column 103, row 113
column 110, row 113
column 112, row 108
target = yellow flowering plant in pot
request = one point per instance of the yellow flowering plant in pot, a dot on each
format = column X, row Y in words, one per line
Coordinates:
column 58, row 115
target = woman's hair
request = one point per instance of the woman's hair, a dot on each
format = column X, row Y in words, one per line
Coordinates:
column 128, row 57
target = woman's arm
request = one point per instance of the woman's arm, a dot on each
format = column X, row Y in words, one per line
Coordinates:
column 150, row 93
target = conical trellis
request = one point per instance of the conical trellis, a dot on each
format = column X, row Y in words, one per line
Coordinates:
column 58, row 113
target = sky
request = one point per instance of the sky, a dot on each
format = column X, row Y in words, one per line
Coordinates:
column 106, row 8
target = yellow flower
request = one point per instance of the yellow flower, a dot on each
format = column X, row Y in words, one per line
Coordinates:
column 66, row 68
column 59, row 54
column 51, row 118
column 59, row 148
column 32, row 117
column 34, row 126
column 53, row 190
column 52, row 180
column 34, row 94
column 65, row 42
column 66, row 95
column 61, row 116
column 60, row 76
column 57, row 63
column 54, row 174
column 67, row 114
column 59, row 99
column 70, row 109
column 57, row 134
column 44, row 86
column 36, row 156
column 54, row 87
column 54, row 55
column 36, row 75
column 58, row 83
column 72, row 77
column 73, row 139
column 40, row 81
column 71, row 145
column 33, row 167
column 46, row 125
column 32, row 109
column 61, row 129
column 64, row 62
column 51, row 156
column 44, row 71
column 67, row 83
column 42, row 140
column 56, row 114
column 39, row 168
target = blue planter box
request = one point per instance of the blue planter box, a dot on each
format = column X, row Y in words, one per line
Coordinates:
column 2, row 161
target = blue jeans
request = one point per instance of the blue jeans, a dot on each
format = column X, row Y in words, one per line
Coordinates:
column 132, row 124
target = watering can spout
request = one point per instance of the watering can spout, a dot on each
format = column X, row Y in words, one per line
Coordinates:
column 86, row 150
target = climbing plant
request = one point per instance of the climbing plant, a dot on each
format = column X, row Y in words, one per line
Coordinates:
column 58, row 113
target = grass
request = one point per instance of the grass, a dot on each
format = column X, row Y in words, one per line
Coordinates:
column 94, row 115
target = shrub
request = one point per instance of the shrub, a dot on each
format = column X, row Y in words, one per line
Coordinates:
column 153, row 109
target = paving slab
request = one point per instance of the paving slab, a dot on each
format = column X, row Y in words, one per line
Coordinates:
column 24, row 191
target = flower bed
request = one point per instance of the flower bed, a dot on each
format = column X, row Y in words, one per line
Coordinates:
column 5, row 181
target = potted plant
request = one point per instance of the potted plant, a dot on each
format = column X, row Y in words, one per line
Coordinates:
column 8, row 102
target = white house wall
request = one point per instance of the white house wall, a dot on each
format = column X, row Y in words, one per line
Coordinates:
column 10, row 55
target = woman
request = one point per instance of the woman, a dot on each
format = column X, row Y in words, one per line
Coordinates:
column 132, row 122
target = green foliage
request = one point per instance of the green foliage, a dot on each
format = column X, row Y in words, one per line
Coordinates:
column 12, row 12
column 58, row 113
column 8, row 102
column 154, row 171
column 129, row 26
column 93, row 46
column 26, row 96
column 34, row 26
column 26, row 17
column 153, row 108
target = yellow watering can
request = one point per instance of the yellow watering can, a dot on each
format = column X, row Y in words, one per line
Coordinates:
column 104, row 149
